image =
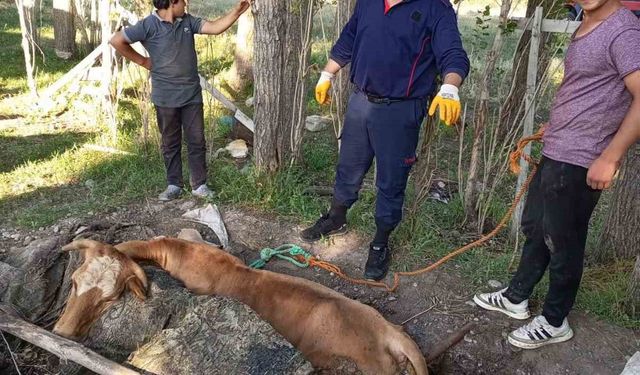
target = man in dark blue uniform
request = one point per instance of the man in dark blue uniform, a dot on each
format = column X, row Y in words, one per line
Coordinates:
column 396, row 50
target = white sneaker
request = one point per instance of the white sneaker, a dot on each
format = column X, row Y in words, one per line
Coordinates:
column 170, row 193
column 540, row 333
column 496, row 301
column 203, row 191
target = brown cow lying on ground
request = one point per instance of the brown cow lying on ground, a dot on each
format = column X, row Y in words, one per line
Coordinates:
column 327, row 327
column 97, row 284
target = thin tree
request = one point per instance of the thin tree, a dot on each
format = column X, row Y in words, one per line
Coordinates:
column 512, row 109
column 26, row 12
column 481, row 119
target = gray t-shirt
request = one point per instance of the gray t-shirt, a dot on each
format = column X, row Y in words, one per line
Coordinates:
column 593, row 100
column 174, row 65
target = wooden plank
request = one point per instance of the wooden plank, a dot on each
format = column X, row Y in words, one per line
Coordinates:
column 77, row 70
column 559, row 26
column 530, row 109
column 549, row 25
column 217, row 94
column 237, row 113
column 61, row 347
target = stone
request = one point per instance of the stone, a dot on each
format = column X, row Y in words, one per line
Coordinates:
column 315, row 123
column 495, row 284
column 238, row 149
column 56, row 229
column 633, row 365
column 249, row 102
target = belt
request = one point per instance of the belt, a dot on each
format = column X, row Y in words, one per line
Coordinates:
column 377, row 99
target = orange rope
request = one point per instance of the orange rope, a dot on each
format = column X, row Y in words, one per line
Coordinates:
column 514, row 159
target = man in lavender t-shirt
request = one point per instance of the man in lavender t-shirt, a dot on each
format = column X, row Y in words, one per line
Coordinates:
column 594, row 120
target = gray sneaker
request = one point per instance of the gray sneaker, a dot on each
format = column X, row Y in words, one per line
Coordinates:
column 203, row 191
column 170, row 193
column 540, row 333
column 496, row 301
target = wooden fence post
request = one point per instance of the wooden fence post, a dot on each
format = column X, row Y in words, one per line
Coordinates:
column 530, row 109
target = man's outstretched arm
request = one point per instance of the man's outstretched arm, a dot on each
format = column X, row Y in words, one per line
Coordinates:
column 221, row 24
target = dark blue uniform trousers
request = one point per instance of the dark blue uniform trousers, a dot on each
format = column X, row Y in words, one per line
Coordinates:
column 389, row 132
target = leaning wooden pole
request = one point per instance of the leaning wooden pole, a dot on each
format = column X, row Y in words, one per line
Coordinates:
column 61, row 347
column 530, row 109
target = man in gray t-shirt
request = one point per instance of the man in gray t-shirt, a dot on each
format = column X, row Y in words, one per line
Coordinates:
column 594, row 120
column 168, row 35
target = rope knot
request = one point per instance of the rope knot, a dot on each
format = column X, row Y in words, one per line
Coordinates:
column 514, row 157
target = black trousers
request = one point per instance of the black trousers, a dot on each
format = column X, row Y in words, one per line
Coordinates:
column 172, row 122
column 389, row 133
column 555, row 223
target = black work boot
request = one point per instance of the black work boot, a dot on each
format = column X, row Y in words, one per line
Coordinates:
column 378, row 262
column 330, row 224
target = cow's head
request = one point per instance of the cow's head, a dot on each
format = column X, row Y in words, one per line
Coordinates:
column 97, row 284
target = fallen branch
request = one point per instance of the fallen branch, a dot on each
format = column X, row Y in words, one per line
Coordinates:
column 61, row 347
column 449, row 341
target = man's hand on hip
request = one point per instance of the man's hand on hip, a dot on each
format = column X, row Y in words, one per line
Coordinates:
column 601, row 173
column 146, row 63
column 448, row 102
column 323, row 86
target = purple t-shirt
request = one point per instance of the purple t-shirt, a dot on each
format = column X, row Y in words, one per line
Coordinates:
column 593, row 100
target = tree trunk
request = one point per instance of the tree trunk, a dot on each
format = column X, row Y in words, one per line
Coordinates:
column 26, row 14
column 64, row 30
column 342, row 86
column 31, row 11
column 634, row 291
column 83, row 24
column 512, row 109
column 95, row 24
column 242, row 69
column 280, row 58
column 481, row 107
column 620, row 237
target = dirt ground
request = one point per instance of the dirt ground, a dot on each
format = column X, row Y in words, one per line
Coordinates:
column 175, row 332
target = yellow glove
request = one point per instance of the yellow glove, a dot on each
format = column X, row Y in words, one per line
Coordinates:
column 449, row 103
column 323, row 86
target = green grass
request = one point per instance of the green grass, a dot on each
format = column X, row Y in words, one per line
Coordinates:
column 47, row 174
